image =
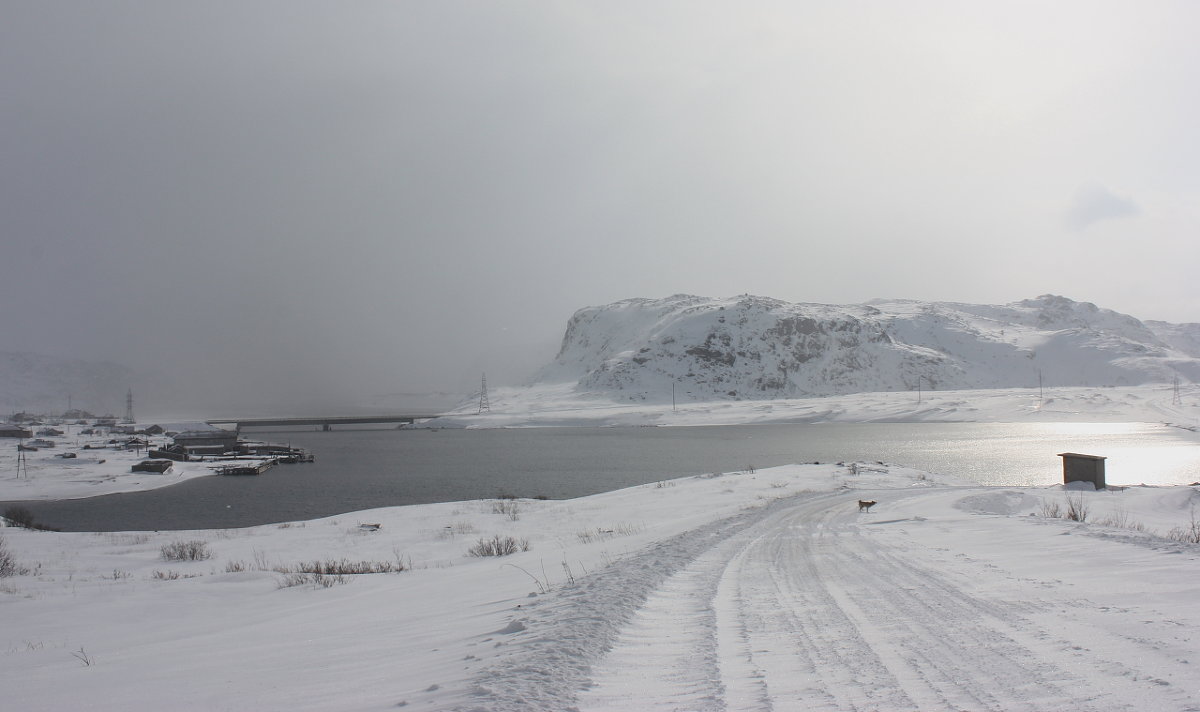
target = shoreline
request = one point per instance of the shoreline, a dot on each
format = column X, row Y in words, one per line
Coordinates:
column 129, row 625
column 555, row 406
column 97, row 465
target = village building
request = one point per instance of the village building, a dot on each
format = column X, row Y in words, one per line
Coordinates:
column 207, row 442
column 7, row 430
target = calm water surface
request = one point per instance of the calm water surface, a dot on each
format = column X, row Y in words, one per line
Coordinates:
column 363, row 469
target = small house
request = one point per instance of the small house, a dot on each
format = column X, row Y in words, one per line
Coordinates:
column 14, row 431
column 159, row 466
column 1083, row 468
column 207, row 442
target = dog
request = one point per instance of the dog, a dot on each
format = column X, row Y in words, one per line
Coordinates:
column 864, row 505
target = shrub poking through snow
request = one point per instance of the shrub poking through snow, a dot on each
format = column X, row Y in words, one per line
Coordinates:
column 194, row 550
column 1120, row 519
column 1077, row 507
column 343, row 567
column 317, row 580
column 1189, row 534
column 19, row 516
column 601, row 534
column 8, row 565
column 510, row 508
column 498, row 546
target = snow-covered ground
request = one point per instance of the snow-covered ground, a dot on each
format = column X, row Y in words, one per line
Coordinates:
column 562, row 405
column 102, row 465
column 763, row 590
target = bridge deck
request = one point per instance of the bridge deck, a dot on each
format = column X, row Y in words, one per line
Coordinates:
column 324, row 421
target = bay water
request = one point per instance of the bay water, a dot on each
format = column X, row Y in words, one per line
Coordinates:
column 367, row 468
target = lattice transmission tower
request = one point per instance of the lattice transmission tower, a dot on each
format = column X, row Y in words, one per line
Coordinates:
column 129, row 407
column 484, row 406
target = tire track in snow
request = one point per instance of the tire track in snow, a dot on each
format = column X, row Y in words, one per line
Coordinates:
column 799, row 647
column 546, row 664
column 805, row 647
column 796, row 606
column 946, row 649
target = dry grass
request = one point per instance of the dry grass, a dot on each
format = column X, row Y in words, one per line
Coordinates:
column 194, row 550
column 1077, row 507
column 1189, row 534
column 342, row 567
column 498, row 546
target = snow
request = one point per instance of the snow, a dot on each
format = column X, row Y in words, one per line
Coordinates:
column 750, row 590
column 562, row 404
column 751, row 347
column 102, row 465
column 763, row 590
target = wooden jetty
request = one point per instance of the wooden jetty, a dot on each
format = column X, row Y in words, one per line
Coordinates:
column 256, row 467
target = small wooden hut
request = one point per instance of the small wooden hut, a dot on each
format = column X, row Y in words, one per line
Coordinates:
column 1083, row 468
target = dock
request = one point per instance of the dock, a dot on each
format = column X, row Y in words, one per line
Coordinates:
column 249, row 468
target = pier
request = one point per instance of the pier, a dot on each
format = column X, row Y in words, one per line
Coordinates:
column 326, row 422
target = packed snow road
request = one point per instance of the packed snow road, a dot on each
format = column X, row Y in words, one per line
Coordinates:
column 810, row 605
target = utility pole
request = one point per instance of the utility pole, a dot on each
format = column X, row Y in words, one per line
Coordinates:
column 1040, row 397
column 483, row 397
column 1176, row 399
column 673, row 396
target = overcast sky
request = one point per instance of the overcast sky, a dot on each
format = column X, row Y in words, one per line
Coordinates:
column 361, row 197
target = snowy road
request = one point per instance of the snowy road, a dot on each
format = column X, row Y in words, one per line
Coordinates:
column 811, row 605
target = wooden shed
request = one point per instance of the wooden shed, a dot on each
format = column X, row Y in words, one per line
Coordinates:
column 14, row 431
column 159, row 466
column 1083, row 468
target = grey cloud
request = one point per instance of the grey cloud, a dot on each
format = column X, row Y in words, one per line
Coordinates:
column 279, row 199
column 1095, row 203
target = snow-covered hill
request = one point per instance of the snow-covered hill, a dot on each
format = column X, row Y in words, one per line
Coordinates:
column 45, row 384
column 751, row 347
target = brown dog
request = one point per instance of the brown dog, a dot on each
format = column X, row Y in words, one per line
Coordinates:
column 864, row 505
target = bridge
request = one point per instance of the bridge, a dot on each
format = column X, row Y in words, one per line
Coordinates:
column 326, row 422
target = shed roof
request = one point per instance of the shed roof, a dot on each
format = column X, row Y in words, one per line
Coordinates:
column 1082, row 457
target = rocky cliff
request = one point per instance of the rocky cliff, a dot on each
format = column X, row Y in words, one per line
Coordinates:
column 755, row 347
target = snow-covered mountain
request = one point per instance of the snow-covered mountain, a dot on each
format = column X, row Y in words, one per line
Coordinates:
column 755, row 347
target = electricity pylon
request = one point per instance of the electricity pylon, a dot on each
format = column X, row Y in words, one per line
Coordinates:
column 483, row 399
